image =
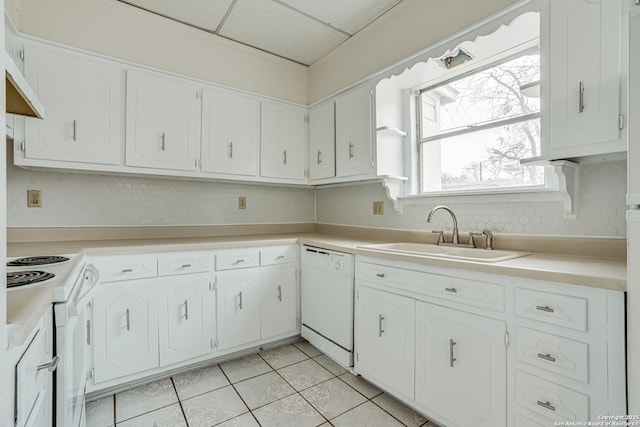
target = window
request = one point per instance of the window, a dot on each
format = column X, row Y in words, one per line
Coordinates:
column 475, row 128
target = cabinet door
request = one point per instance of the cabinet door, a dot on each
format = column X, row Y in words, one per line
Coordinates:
column 163, row 122
column 230, row 133
column 126, row 334
column 238, row 309
column 461, row 363
column 84, row 107
column 279, row 295
column 385, row 339
column 354, row 153
column 322, row 141
column 585, row 69
column 186, row 318
column 283, row 142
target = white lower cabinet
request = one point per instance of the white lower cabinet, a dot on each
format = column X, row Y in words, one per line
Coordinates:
column 385, row 339
column 279, row 297
column 238, row 309
column 461, row 363
column 126, row 329
column 475, row 349
column 186, row 320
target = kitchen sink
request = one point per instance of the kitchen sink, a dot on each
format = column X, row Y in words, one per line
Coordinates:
column 450, row 252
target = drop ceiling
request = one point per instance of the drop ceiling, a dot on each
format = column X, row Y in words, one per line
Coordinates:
column 302, row 31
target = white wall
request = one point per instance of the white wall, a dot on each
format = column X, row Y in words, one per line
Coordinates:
column 601, row 212
column 115, row 29
column 410, row 27
column 75, row 200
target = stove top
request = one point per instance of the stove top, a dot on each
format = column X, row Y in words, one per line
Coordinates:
column 20, row 278
column 37, row 260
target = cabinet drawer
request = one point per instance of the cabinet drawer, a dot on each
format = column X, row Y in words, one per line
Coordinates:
column 183, row 263
column 550, row 400
column 127, row 267
column 556, row 309
column 278, row 254
column 559, row 355
column 237, row 258
column 477, row 294
column 388, row 276
column 522, row 421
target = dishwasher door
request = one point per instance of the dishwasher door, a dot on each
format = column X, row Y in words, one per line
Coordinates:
column 327, row 288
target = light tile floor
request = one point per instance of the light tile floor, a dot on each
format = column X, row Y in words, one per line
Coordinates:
column 294, row 385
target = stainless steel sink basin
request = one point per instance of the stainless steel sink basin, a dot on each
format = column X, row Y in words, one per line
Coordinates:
column 450, row 252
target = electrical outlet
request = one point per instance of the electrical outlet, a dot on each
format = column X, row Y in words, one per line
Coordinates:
column 34, row 198
column 242, row 202
column 378, row 208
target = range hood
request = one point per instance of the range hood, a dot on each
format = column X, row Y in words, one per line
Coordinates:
column 21, row 98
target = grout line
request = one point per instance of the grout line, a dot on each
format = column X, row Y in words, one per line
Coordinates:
column 184, row 414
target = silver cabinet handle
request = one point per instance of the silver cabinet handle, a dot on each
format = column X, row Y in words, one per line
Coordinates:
column 88, row 332
column 318, row 161
column 452, row 290
column 128, row 318
column 545, row 308
column 75, row 130
column 280, row 257
column 380, row 328
column 51, row 366
column 546, row 405
column 350, row 150
column 240, row 300
column 547, row 357
column 280, row 293
column 581, row 97
column 127, row 270
column 186, row 266
column 186, row 310
column 284, row 157
column 231, row 150
column 239, row 261
column 163, row 146
column 451, row 358
column 380, row 275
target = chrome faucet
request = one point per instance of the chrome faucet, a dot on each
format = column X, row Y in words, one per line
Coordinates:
column 454, row 237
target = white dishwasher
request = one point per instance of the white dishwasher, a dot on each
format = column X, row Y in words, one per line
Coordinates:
column 327, row 287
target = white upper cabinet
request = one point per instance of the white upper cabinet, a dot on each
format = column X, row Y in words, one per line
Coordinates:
column 283, row 148
column 585, row 78
column 322, row 142
column 354, row 144
column 84, row 102
column 230, row 133
column 163, row 122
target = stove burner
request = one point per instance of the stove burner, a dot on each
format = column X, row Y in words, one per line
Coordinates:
column 36, row 260
column 20, row 278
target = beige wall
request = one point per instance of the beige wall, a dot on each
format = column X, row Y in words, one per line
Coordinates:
column 115, row 29
column 412, row 26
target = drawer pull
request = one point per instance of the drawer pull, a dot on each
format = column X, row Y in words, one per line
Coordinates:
column 280, row 257
column 451, row 358
column 239, row 261
column 547, row 356
column 452, row 290
column 127, row 270
column 186, row 265
column 51, row 366
column 380, row 275
column 380, row 327
column 546, row 405
column 545, row 308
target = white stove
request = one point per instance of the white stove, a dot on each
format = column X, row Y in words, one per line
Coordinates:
column 58, row 273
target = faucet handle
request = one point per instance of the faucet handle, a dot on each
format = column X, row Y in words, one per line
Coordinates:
column 440, row 234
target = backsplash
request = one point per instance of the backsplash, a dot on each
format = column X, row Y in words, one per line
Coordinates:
column 601, row 209
column 71, row 199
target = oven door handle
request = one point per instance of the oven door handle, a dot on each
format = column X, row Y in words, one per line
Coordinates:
column 90, row 273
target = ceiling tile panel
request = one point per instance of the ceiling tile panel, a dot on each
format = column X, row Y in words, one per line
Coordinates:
column 205, row 14
column 273, row 27
column 349, row 16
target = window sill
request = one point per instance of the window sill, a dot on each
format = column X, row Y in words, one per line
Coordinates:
column 564, row 187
